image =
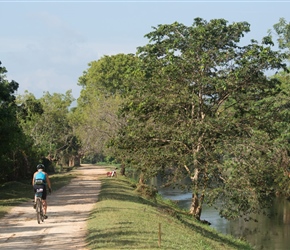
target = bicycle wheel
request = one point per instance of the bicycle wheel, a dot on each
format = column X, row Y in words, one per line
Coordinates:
column 38, row 209
column 41, row 212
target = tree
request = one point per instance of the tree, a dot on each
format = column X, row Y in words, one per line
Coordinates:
column 282, row 30
column 46, row 121
column 95, row 118
column 198, row 114
column 30, row 111
column 16, row 153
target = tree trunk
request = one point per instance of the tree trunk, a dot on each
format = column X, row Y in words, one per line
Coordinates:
column 196, row 202
column 77, row 161
column 141, row 179
column 195, row 208
column 122, row 171
column 71, row 162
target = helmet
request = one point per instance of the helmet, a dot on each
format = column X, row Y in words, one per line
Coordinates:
column 40, row 166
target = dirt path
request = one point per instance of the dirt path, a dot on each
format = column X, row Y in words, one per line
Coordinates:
column 68, row 210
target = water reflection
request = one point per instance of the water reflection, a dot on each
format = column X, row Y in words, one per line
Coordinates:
column 269, row 233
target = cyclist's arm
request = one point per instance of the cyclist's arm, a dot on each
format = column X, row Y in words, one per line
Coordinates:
column 48, row 181
column 33, row 179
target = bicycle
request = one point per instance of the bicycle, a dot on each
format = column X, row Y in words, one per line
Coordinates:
column 39, row 205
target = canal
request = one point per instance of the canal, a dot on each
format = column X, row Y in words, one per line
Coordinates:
column 269, row 233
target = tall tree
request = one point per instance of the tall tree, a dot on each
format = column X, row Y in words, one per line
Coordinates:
column 104, row 85
column 30, row 111
column 15, row 148
column 47, row 122
column 282, row 31
column 198, row 114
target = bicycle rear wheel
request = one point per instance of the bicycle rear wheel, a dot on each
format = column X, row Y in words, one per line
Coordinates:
column 41, row 212
column 38, row 209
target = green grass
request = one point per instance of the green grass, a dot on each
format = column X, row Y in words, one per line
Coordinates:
column 122, row 219
column 15, row 192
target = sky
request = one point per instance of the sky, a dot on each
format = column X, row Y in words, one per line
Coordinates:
column 47, row 45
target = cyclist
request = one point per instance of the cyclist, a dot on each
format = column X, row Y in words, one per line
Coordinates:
column 41, row 180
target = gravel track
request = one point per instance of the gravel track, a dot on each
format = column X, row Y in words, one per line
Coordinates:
column 68, row 211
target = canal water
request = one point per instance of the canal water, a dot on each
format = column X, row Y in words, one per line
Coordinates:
column 269, row 233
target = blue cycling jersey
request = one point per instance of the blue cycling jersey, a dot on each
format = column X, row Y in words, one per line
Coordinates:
column 40, row 176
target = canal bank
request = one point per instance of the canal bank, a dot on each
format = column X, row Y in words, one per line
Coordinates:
column 268, row 233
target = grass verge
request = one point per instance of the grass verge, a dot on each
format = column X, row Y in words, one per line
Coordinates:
column 122, row 219
column 14, row 192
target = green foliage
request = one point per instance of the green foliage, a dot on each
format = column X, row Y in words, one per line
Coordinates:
column 147, row 191
column 107, row 76
column 202, row 113
column 95, row 120
column 282, row 30
column 16, row 151
column 47, row 122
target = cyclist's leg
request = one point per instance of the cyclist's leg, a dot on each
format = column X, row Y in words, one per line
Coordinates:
column 34, row 189
column 44, row 202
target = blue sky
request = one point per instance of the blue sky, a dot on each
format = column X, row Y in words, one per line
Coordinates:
column 46, row 45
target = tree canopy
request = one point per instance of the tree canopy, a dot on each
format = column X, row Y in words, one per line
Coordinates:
column 14, row 146
column 104, row 85
column 47, row 122
column 201, row 114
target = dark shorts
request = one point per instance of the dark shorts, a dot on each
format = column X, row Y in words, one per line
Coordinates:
column 35, row 187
